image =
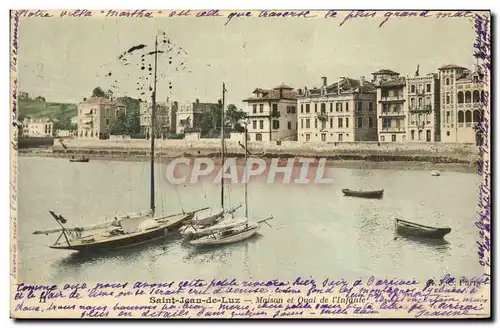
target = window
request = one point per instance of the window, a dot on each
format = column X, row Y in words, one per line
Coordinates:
column 346, row 106
column 331, row 107
column 360, row 106
column 428, row 87
column 323, row 137
column 315, row 108
column 347, row 122
column 316, row 123
column 275, row 108
column 254, row 124
column 370, row 106
column 107, row 112
column 393, row 137
column 288, row 110
column 276, row 124
column 385, row 123
column 382, row 138
column 323, row 107
column 308, row 137
column 395, row 93
column 308, row 123
column 448, row 133
column 258, row 137
column 447, row 116
column 468, row 97
column 337, row 108
column 289, row 125
column 308, row 108
column 447, row 81
column 384, row 93
column 261, row 124
column 412, row 88
column 412, row 134
column 412, row 103
column 475, row 96
column 331, row 122
column 448, row 99
column 420, row 102
column 468, row 116
column 301, row 108
column 360, row 122
column 107, row 121
column 384, row 108
column 293, row 109
column 340, row 105
column 420, row 134
column 340, row 122
column 370, row 122
column 301, row 123
column 254, row 109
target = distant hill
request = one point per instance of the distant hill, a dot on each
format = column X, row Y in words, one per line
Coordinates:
column 51, row 110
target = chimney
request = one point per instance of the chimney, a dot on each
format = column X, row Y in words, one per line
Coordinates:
column 324, row 81
column 362, row 81
column 299, row 91
column 197, row 101
column 339, row 88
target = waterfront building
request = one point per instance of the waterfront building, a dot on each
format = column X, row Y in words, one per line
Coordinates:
column 272, row 114
column 189, row 115
column 344, row 111
column 166, row 116
column 37, row 128
column 424, row 114
column 96, row 115
column 461, row 96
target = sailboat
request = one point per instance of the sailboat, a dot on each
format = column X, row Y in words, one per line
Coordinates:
column 124, row 231
column 238, row 228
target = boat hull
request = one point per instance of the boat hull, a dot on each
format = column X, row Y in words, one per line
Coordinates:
column 240, row 236
column 363, row 194
column 79, row 160
column 113, row 243
column 414, row 230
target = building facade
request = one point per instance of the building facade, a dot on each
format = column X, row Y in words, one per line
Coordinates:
column 341, row 112
column 41, row 127
column 461, row 96
column 96, row 116
column 166, row 116
column 424, row 114
column 272, row 114
column 189, row 115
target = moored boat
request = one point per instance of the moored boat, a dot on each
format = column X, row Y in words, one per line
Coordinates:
column 227, row 236
column 363, row 193
column 79, row 160
column 407, row 228
column 435, row 173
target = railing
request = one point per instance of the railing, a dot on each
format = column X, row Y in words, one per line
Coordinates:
column 392, row 98
column 421, row 108
column 390, row 113
column 393, row 129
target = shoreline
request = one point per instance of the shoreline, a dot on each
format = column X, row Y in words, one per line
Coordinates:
column 386, row 162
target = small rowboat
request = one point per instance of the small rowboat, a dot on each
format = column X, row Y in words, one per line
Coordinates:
column 435, row 173
column 79, row 160
column 407, row 228
column 363, row 194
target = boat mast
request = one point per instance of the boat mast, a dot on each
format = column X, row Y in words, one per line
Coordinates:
column 223, row 148
column 246, row 171
column 152, row 134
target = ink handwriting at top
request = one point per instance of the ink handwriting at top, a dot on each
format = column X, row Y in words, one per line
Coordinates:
column 34, row 13
column 270, row 14
column 15, row 44
column 76, row 13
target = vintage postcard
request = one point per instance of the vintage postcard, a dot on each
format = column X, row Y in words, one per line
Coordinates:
column 262, row 164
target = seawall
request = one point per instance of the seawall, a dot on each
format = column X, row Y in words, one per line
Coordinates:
column 368, row 151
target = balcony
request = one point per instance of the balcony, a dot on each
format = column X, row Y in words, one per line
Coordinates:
column 399, row 113
column 388, row 99
column 259, row 114
column 421, row 109
column 393, row 130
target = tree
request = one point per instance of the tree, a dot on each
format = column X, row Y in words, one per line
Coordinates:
column 234, row 116
column 98, row 92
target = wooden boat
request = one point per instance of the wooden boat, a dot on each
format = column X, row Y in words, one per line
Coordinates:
column 125, row 231
column 228, row 236
column 418, row 230
column 234, row 230
column 194, row 232
column 363, row 194
column 435, row 173
column 79, row 160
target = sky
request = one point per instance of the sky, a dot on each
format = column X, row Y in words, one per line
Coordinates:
column 64, row 59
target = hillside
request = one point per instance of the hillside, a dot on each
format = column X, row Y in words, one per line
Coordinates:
column 51, row 110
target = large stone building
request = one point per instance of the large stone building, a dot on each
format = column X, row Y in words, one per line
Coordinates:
column 344, row 111
column 424, row 114
column 272, row 114
column 166, row 117
column 96, row 116
column 37, row 128
column 461, row 97
column 189, row 115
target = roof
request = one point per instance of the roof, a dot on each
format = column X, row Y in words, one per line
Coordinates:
column 399, row 81
column 103, row 101
column 347, row 85
column 451, row 66
column 385, row 72
column 280, row 92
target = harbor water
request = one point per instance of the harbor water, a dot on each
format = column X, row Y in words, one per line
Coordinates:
column 316, row 231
